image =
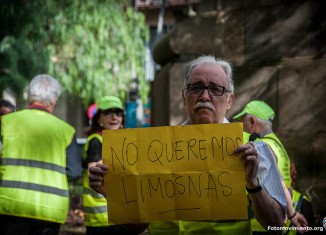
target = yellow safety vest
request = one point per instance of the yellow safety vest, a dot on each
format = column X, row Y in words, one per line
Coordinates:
column 33, row 181
column 199, row 227
column 283, row 160
column 237, row 227
column 94, row 204
column 164, row 227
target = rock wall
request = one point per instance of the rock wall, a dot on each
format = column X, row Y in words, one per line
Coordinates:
column 278, row 53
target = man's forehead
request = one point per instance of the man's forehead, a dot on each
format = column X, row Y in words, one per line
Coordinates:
column 207, row 72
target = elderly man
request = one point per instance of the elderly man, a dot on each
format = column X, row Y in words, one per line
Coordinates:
column 207, row 95
column 257, row 117
column 35, row 161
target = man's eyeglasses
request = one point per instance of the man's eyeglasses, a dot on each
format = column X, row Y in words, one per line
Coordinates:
column 110, row 112
column 213, row 90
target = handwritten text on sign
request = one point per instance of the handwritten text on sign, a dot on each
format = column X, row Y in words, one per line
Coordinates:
column 174, row 173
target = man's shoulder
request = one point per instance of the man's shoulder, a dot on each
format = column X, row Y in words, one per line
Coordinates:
column 49, row 119
column 260, row 144
column 271, row 138
column 94, row 138
column 263, row 149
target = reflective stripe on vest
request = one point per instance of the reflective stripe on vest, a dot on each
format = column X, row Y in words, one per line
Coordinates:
column 33, row 166
column 33, row 163
column 94, row 204
column 34, row 187
column 97, row 209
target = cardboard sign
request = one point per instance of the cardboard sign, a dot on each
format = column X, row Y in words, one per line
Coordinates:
column 174, row 173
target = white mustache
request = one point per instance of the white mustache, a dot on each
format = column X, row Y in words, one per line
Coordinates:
column 201, row 104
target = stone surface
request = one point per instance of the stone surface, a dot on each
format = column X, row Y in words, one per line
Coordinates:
column 278, row 52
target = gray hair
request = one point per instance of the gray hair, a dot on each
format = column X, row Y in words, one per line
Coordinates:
column 44, row 89
column 226, row 66
column 268, row 123
column 265, row 123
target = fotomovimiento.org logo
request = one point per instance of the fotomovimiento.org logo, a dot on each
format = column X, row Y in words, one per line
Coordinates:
column 324, row 222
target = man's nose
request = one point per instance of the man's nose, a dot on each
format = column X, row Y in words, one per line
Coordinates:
column 205, row 95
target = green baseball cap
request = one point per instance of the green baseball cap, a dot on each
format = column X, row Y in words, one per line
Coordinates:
column 259, row 109
column 109, row 102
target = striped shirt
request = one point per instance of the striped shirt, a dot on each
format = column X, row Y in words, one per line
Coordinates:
column 269, row 175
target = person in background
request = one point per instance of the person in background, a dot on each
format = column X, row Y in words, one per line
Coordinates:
column 5, row 108
column 109, row 116
column 257, row 118
column 207, row 95
column 35, row 162
column 301, row 203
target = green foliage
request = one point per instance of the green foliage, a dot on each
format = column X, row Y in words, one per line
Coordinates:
column 22, row 51
column 94, row 48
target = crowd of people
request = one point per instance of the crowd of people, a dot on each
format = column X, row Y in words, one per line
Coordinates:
column 40, row 155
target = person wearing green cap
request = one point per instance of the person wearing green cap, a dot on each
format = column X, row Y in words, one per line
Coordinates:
column 259, row 109
column 257, row 118
column 109, row 115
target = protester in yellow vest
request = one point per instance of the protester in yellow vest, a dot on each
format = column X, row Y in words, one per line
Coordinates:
column 34, row 162
column 109, row 116
column 208, row 93
column 257, row 117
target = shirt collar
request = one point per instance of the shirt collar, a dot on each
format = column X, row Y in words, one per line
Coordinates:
column 39, row 107
column 187, row 121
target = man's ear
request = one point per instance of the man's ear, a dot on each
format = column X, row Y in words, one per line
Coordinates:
column 183, row 96
column 52, row 104
column 252, row 120
column 253, row 124
column 230, row 101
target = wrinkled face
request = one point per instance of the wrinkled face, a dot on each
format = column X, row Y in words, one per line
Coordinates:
column 204, row 108
column 111, row 119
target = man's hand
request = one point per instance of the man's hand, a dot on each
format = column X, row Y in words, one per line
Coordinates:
column 96, row 177
column 299, row 221
column 251, row 162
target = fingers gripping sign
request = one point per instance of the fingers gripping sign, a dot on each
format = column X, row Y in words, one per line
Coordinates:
column 96, row 177
column 251, row 162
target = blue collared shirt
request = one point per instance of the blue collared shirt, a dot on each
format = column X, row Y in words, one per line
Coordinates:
column 269, row 175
